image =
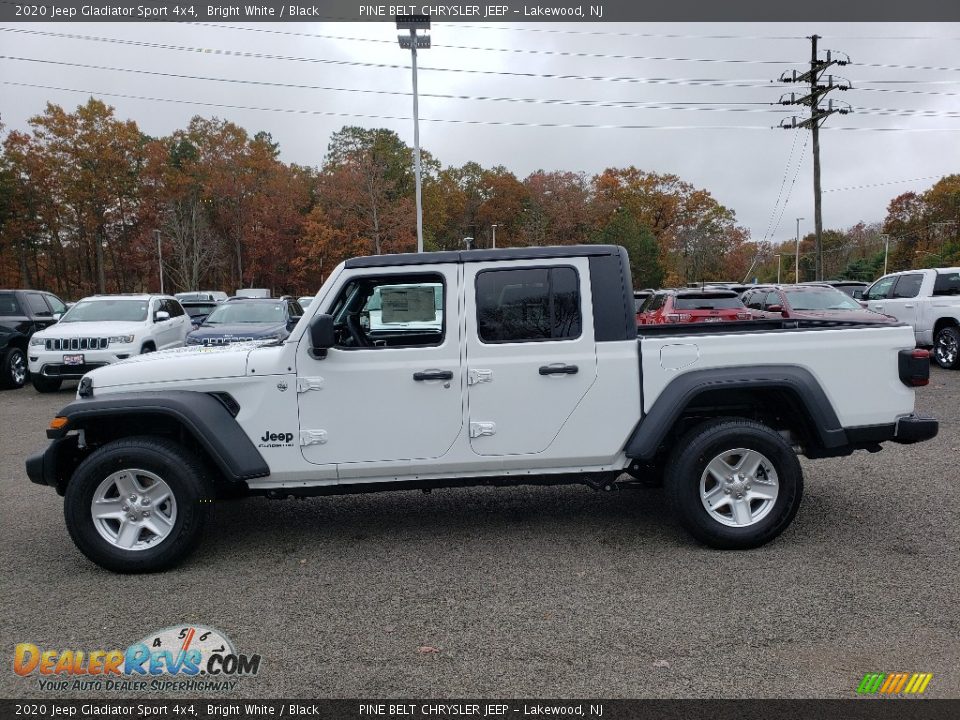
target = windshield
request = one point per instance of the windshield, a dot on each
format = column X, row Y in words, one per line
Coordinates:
column 121, row 310
column 194, row 309
column 242, row 311
column 821, row 299
column 707, row 302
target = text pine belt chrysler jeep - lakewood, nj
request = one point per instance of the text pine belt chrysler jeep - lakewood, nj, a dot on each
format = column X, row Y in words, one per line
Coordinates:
column 493, row 367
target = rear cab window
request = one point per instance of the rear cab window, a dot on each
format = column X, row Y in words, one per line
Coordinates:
column 528, row 305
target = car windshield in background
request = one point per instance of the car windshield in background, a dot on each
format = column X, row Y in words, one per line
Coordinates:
column 821, row 299
column 119, row 310
column 195, row 309
column 707, row 301
column 242, row 311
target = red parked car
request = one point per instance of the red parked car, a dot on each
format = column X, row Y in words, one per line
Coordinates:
column 692, row 306
column 809, row 302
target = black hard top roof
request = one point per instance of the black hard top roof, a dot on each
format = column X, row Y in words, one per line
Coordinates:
column 468, row 256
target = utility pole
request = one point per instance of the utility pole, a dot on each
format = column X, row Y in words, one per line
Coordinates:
column 159, row 258
column 413, row 41
column 778, row 269
column 796, row 260
column 886, row 251
column 818, row 114
column 494, row 228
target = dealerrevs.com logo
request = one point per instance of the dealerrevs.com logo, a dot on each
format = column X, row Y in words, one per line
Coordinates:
column 187, row 658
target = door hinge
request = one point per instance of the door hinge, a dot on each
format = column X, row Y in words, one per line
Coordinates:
column 479, row 376
column 313, row 437
column 478, row 429
column 305, row 384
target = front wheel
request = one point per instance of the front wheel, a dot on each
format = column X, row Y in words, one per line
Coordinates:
column 734, row 484
column 45, row 384
column 13, row 369
column 946, row 348
column 137, row 504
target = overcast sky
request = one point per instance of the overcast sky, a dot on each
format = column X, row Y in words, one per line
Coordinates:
column 743, row 167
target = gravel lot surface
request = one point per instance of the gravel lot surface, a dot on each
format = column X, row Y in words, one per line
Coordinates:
column 543, row 592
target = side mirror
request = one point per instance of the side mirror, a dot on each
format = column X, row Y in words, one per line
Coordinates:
column 774, row 308
column 161, row 316
column 322, row 335
column 57, row 316
column 857, row 294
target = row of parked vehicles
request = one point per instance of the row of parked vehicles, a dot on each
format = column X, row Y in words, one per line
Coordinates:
column 927, row 300
column 43, row 338
column 48, row 341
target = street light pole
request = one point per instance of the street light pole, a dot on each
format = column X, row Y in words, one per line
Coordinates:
column 778, row 269
column 886, row 252
column 796, row 262
column 159, row 258
column 494, row 226
column 414, row 41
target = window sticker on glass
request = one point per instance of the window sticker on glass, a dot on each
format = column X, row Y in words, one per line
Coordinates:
column 410, row 304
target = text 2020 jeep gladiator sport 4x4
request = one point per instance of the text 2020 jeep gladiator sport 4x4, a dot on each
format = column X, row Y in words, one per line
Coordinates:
column 531, row 371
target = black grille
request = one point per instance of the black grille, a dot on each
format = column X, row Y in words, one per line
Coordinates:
column 225, row 341
column 77, row 344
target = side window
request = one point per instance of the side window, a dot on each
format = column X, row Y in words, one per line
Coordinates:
column 9, row 304
column 56, row 304
column 908, row 286
column 38, row 306
column 388, row 311
column 528, row 304
column 296, row 312
column 772, row 298
column 174, row 308
column 947, row 283
column 754, row 300
column 880, row 289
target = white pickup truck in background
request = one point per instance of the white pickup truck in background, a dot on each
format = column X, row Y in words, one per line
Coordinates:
column 927, row 300
column 534, row 373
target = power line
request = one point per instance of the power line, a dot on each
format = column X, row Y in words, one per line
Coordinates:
column 705, row 106
column 882, row 184
column 783, row 182
column 502, row 123
column 704, row 82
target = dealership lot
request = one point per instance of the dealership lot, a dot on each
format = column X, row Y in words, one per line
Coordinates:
column 523, row 592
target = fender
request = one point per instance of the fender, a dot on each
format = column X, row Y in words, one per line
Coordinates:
column 207, row 418
column 677, row 396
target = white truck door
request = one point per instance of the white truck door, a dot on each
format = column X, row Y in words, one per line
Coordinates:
column 903, row 301
column 531, row 354
column 392, row 392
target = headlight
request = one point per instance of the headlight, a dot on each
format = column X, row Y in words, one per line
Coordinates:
column 34, row 341
column 194, row 341
column 121, row 339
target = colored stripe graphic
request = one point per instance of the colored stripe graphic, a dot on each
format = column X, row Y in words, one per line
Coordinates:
column 894, row 683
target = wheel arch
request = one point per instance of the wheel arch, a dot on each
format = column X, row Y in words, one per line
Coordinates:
column 943, row 322
column 787, row 397
column 204, row 422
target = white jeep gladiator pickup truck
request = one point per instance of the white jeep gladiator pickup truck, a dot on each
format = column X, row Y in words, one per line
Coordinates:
column 929, row 301
column 533, row 374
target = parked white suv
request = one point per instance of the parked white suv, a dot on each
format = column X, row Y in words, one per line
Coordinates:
column 104, row 329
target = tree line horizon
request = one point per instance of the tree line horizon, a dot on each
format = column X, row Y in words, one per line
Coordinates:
column 83, row 194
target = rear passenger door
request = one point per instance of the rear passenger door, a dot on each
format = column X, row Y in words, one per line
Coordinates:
column 531, row 354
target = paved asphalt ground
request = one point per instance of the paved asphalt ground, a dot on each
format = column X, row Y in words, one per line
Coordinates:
column 556, row 592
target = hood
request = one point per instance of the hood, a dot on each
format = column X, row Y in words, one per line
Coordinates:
column 185, row 363
column 91, row 329
column 239, row 330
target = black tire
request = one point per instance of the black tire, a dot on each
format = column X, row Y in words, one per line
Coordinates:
column 13, row 369
column 688, row 463
column 45, row 384
column 946, row 347
column 147, row 348
column 183, row 473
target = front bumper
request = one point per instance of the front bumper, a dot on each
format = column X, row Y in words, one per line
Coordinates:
column 48, row 467
column 50, row 364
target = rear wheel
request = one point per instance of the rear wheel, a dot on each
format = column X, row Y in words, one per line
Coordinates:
column 45, row 384
column 946, row 348
column 13, row 369
column 734, row 484
column 137, row 504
